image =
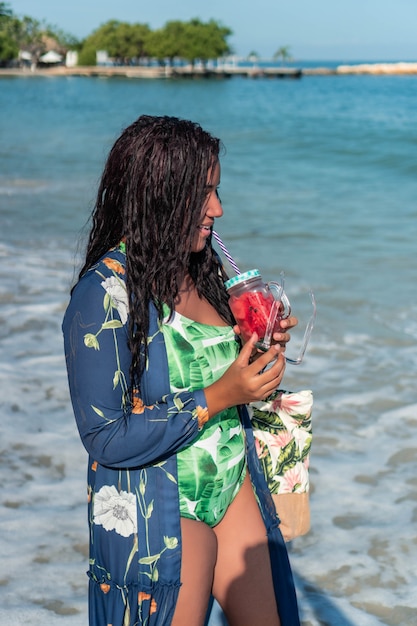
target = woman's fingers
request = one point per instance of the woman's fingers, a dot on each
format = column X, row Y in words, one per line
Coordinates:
column 284, row 336
column 266, row 372
column 246, row 352
column 288, row 322
column 271, row 377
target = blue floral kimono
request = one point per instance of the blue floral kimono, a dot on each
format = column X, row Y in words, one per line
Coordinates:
column 133, row 510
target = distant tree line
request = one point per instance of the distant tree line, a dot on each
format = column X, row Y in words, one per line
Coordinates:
column 124, row 43
column 29, row 35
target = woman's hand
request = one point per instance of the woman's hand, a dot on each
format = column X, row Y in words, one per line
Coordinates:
column 281, row 338
column 247, row 380
column 284, row 337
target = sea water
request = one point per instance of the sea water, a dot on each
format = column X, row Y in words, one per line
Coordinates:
column 319, row 180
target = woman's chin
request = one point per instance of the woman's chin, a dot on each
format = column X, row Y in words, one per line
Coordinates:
column 199, row 244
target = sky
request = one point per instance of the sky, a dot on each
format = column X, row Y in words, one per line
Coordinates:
column 374, row 30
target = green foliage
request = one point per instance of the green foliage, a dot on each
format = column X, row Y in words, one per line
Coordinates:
column 8, row 28
column 65, row 40
column 87, row 55
column 188, row 40
column 8, row 48
column 205, row 41
column 121, row 40
column 166, row 42
column 5, row 10
column 30, row 35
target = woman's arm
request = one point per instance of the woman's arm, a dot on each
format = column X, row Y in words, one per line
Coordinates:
column 114, row 432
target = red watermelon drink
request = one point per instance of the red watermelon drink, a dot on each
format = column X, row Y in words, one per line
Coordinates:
column 251, row 301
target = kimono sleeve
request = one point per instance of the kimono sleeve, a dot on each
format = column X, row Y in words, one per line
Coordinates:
column 115, row 432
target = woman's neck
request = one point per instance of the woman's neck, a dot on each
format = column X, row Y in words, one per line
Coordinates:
column 189, row 304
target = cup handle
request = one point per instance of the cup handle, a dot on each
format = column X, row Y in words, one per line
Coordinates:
column 280, row 296
column 280, row 300
column 273, row 314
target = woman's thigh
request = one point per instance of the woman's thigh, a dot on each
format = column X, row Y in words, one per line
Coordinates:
column 199, row 551
column 242, row 576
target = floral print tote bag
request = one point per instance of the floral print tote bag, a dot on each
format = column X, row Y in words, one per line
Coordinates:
column 283, row 435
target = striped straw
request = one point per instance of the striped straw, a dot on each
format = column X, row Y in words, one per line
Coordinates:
column 226, row 253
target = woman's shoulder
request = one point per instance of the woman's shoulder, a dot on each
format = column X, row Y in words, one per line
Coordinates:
column 108, row 273
column 105, row 279
column 111, row 265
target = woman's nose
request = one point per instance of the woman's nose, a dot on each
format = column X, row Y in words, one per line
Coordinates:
column 214, row 206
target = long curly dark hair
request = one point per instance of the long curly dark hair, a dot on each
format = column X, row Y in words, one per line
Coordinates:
column 151, row 194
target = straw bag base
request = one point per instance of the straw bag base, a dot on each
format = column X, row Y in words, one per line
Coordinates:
column 293, row 509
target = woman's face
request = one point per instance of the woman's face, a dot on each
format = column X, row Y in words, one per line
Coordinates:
column 212, row 208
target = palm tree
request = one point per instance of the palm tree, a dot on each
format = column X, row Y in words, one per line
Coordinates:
column 283, row 53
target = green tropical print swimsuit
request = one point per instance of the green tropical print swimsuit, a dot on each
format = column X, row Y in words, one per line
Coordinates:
column 211, row 469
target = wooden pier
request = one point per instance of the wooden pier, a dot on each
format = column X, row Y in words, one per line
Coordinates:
column 229, row 71
column 157, row 72
column 223, row 71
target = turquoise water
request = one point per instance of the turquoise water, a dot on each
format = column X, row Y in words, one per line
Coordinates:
column 319, row 179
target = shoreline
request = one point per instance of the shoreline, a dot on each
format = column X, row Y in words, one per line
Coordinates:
column 399, row 68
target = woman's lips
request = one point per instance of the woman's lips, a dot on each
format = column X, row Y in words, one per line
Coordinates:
column 205, row 229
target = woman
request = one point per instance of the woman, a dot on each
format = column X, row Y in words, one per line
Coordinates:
column 157, row 384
